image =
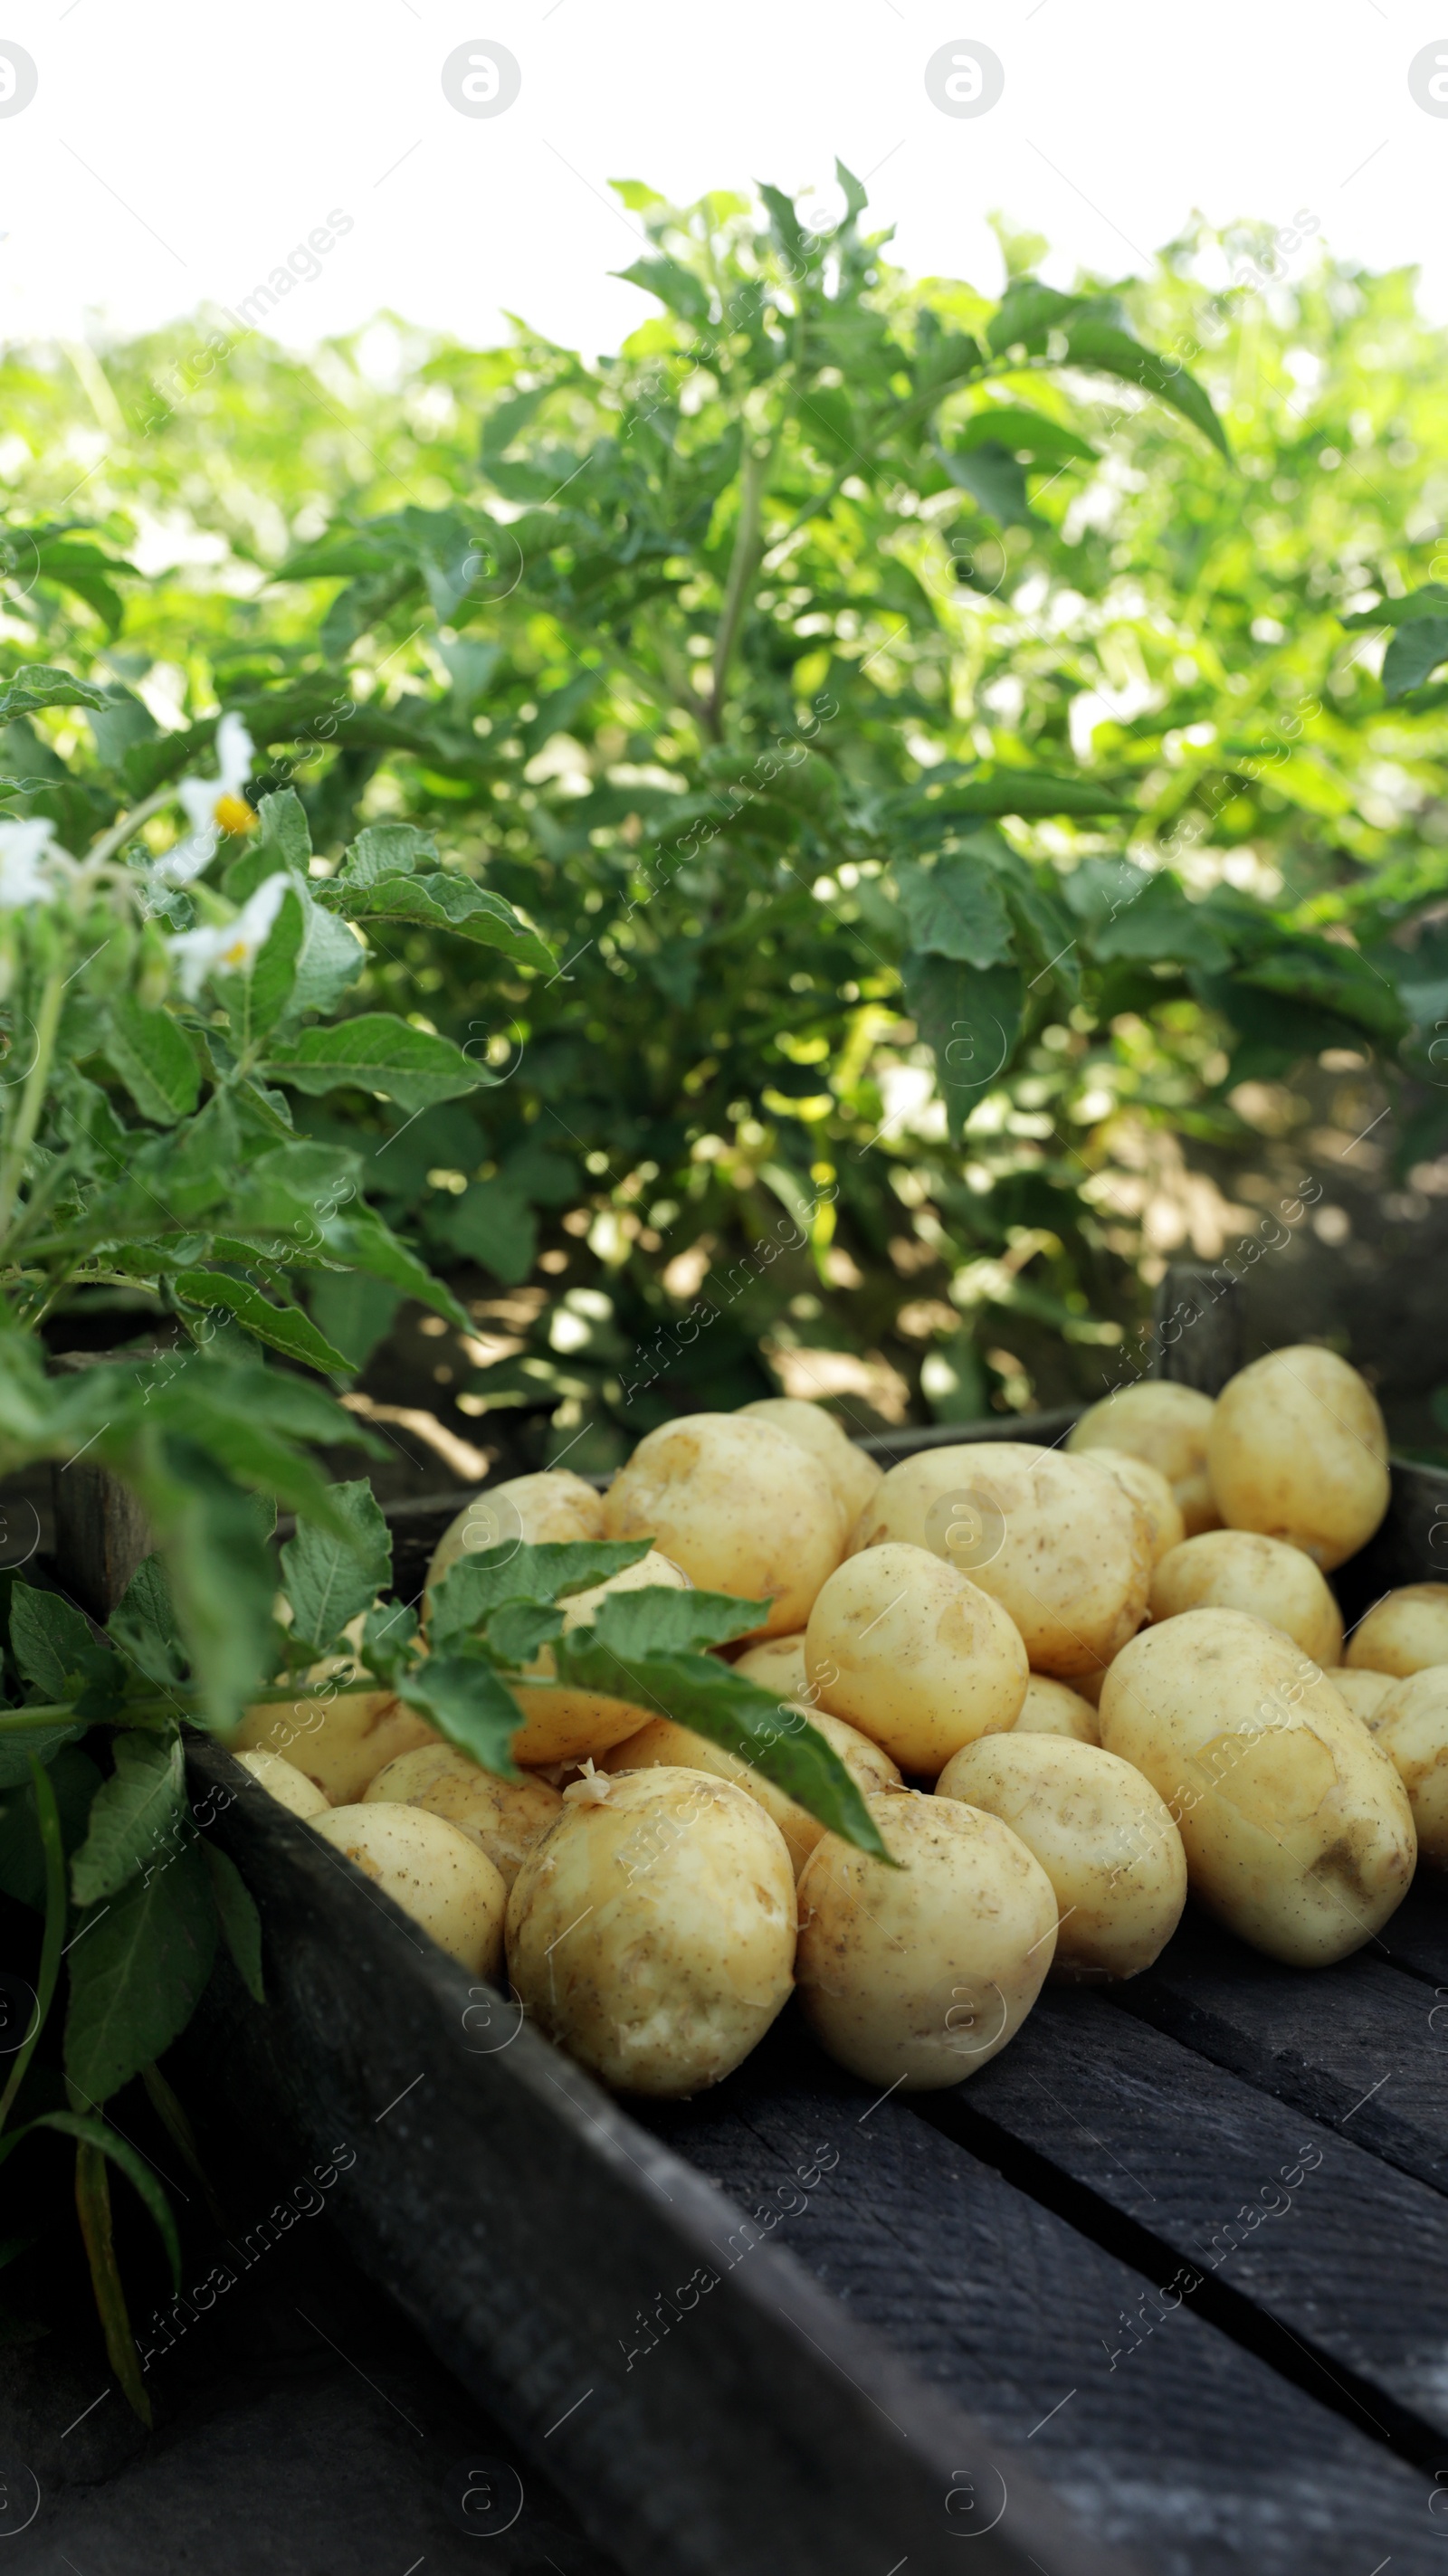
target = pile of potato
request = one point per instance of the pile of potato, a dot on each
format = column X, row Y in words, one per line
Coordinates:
column 1069, row 1684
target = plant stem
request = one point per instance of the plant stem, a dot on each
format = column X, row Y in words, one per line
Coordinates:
column 744, row 563
column 119, row 833
column 32, row 1098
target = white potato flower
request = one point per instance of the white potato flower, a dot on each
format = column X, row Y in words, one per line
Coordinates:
column 229, row 947
column 213, row 805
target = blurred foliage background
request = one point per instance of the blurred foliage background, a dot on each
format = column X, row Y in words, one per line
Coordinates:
column 674, row 649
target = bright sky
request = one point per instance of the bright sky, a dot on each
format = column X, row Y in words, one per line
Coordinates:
column 174, row 154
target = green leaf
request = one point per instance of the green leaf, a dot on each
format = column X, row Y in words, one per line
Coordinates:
column 52, row 1939
column 50, row 1640
column 519, row 1570
column 134, row 1815
column 659, row 1619
column 492, row 1223
column 375, row 1052
column 464, row 1699
column 955, row 909
column 238, row 1917
column 218, row 1566
column 1027, row 311
column 270, row 985
column 353, row 1311
column 674, row 286
column 285, row 830
column 1022, row 432
column 154, row 1061
column 1414, row 655
column 455, row 904
column 385, row 850
column 93, row 2209
column 370, row 1245
column 1152, row 920
column 970, row 1017
column 1109, row 352
column 387, row 1639
column 991, row 475
column 19, row 1746
column 143, row 1626
column 97, row 2133
column 520, row 1628
column 283, row 1328
column 329, row 1579
column 138, row 1966
column 994, row 789
column 74, row 1780
column 42, row 685
column 328, row 962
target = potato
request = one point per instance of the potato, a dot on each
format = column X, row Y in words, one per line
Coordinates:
column 1060, row 1546
column 1233, row 1569
column 1411, row 1725
column 651, row 1932
column 341, row 1742
column 1149, row 1488
column 553, row 1507
column 661, row 1741
column 852, row 1473
column 1362, row 1692
column 1054, row 1708
column 917, row 1976
column 1403, row 1633
column 777, row 1665
column 1102, row 1836
column 1297, row 1829
column 431, row 1870
column 1166, row 1425
column 283, row 1781
column 505, row 1818
column 739, row 1506
column 914, row 1654
column 1298, row 1449
column 567, row 1725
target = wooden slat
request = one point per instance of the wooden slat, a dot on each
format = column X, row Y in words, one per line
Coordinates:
column 525, row 2221
column 1348, row 2264
column 1158, row 2431
column 1359, row 2047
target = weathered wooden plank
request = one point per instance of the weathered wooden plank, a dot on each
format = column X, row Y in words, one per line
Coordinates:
column 1416, row 1937
column 1160, row 2432
column 529, row 2224
column 1358, row 2046
column 1342, row 2254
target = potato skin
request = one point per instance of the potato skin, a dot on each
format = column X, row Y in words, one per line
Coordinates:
column 1062, row 1548
column 568, row 1725
column 918, row 1976
column 687, row 1951
column 852, row 1473
column 739, row 1506
column 1296, row 1827
column 1403, row 1633
column 914, row 1654
column 1054, row 1708
column 283, row 1781
column 1101, row 1834
column 1411, row 1725
column 433, row 1872
column 1298, row 1450
column 503, row 1817
column 1242, row 1570
column 553, row 1507
column 1149, row 1488
column 1362, row 1692
column 339, row 1743
column 661, row 1741
column 777, row 1665
column 1165, row 1424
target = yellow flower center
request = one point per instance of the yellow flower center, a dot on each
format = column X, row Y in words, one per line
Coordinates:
column 234, row 814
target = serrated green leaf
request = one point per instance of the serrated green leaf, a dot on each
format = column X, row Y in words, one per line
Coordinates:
column 464, row 1699
column 454, row 904
column 955, row 909
column 50, row 1640
column 385, row 850
column 660, row 1619
column 480, row 1583
column 516, row 1632
column 285, row 830
column 138, row 1966
column 134, row 1816
column 238, row 1917
column 1414, row 655
column 282, row 1328
column 42, row 685
column 1107, row 351
column 970, row 1018
column 329, row 1579
column 387, row 1639
column 375, row 1052
column 143, row 1626
column 154, row 1061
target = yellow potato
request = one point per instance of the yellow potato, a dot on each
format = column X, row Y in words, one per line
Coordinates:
column 503, row 1817
column 1062, row 1548
column 283, row 1781
column 1411, row 1725
column 1403, row 1633
column 340, row 1742
column 433, row 1872
column 915, row 1655
column 553, row 1507
column 1149, row 1488
column 1166, row 1425
column 567, row 1725
column 1362, row 1692
column 739, row 1506
column 917, row 1976
column 1297, row 1829
column 661, row 1741
column 1055, row 1708
column 1235, row 1569
column 852, row 1473
column 651, row 1932
column 1102, row 1836
column 777, row 1665
column 1298, row 1449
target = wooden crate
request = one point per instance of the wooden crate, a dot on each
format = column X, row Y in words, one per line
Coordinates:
column 1164, row 2287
